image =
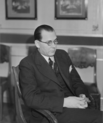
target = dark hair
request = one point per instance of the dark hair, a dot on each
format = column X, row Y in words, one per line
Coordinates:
column 38, row 30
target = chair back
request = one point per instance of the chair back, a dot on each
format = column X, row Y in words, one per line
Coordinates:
column 18, row 100
column 84, row 59
column 5, row 70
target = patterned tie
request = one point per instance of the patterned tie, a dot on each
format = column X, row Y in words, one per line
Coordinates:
column 50, row 63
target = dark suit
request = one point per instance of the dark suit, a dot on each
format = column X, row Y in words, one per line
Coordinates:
column 41, row 88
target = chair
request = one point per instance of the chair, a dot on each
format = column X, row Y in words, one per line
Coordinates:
column 20, row 104
column 85, row 59
column 4, row 75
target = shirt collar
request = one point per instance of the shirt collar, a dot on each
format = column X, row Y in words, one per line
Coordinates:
column 47, row 58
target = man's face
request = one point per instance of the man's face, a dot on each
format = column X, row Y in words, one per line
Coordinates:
column 44, row 48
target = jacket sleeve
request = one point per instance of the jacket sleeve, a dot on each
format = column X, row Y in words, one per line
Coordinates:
column 77, row 83
column 32, row 95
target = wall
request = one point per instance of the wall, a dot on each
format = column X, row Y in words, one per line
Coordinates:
column 45, row 15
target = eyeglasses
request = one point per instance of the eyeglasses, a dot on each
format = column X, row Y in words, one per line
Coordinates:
column 50, row 42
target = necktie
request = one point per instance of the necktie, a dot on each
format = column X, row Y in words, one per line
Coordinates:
column 50, row 62
column 55, row 68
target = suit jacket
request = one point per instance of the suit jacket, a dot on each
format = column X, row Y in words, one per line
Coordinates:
column 39, row 85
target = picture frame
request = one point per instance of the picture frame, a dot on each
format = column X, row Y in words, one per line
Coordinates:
column 21, row 9
column 71, row 9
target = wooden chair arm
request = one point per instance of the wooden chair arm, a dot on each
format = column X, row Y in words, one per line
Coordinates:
column 48, row 115
column 95, row 100
column 94, row 95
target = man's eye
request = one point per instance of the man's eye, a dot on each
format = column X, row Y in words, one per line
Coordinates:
column 49, row 42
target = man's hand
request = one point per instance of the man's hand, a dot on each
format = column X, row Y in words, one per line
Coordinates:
column 85, row 98
column 75, row 102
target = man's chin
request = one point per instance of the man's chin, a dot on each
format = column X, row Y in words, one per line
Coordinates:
column 52, row 54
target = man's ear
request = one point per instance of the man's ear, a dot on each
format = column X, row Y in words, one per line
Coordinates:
column 37, row 43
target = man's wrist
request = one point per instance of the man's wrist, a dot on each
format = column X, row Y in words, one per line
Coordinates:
column 82, row 95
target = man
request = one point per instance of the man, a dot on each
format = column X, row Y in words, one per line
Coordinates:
column 57, row 88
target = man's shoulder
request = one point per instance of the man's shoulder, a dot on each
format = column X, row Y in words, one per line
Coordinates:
column 62, row 54
column 26, row 59
column 30, row 57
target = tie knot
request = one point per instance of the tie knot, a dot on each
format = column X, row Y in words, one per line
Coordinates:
column 50, row 62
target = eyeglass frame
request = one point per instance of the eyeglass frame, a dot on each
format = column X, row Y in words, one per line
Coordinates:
column 50, row 42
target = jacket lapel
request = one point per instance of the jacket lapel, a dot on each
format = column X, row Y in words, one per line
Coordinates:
column 44, row 68
column 64, row 70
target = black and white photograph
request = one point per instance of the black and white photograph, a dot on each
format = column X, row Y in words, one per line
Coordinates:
column 51, row 61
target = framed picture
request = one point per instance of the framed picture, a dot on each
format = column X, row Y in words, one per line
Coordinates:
column 21, row 9
column 71, row 9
